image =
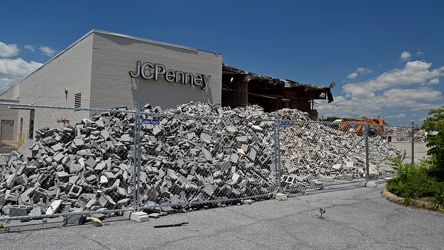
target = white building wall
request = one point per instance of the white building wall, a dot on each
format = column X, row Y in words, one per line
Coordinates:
column 71, row 70
column 97, row 66
column 8, row 114
column 115, row 55
column 9, row 123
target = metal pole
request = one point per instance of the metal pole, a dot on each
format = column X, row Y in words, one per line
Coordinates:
column 136, row 158
column 277, row 152
column 413, row 142
column 139, row 152
column 367, row 171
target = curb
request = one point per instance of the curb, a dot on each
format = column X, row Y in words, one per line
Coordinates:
column 415, row 203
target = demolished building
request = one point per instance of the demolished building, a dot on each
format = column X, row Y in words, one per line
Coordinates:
column 105, row 70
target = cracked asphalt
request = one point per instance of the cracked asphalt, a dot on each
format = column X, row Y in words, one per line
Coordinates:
column 355, row 218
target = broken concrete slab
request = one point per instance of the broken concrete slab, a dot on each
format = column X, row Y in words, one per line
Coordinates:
column 136, row 216
column 54, row 207
column 96, row 222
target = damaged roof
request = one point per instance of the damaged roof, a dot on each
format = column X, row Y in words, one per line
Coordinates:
column 230, row 70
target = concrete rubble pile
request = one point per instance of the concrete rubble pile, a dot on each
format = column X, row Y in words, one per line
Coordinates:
column 405, row 134
column 184, row 159
column 323, row 153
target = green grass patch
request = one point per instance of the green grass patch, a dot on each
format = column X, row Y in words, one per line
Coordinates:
column 413, row 182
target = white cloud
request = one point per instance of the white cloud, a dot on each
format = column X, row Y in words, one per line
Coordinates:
column 359, row 71
column 47, row 51
column 30, row 47
column 8, row 50
column 17, row 67
column 352, row 76
column 405, row 56
column 363, row 70
column 395, row 94
column 414, row 72
column 410, row 97
column 13, row 70
column 419, row 53
column 6, row 83
column 400, row 116
column 434, row 81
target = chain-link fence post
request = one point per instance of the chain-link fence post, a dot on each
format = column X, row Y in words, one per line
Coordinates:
column 277, row 153
column 136, row 153
column 367, row 167
column 413, row 142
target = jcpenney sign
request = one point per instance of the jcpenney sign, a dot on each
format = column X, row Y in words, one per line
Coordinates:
column 154, row 71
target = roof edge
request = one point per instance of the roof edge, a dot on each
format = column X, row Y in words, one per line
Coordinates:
column 149, row 41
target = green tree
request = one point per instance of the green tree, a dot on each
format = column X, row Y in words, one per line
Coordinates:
column 434, row 126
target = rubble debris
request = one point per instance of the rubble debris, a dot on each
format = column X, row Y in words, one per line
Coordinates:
column 184, row 160
column 405, row 133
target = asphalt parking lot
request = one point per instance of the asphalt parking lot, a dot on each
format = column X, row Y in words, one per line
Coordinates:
column 419, row 150
column 355, row 218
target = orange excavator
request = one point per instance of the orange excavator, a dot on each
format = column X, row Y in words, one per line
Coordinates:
column 357, row 125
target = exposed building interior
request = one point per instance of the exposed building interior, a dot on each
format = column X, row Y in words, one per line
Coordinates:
column 241, row 88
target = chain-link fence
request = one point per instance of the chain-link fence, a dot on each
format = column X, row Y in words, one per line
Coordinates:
column 409, row 139
column 82, row 161
column 188, row 161
column 315, row 155
column 69, row 162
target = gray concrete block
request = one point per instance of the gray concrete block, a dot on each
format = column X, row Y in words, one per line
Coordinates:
column 91, row 203
column 103, row 201
column 205, row 137
column 10, row 181
column 121, row 192
column 39, row 193
column 74, row 219
column 207, row 154
column 58, row 157
column 35, row 211
column 18, row 210
column 62, row 175
column 78, row 142
column 104, row 134
column 91, row 179
column 73, row 179
column 234, row 158
column 75, row 191
column 2, row 199
column 100, row 166
column 82, row 201
column 57, row 147
column 91, row 162
column 21, row 169
column 3, row 161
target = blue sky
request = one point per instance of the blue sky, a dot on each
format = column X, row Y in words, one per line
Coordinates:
column 386, row 57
